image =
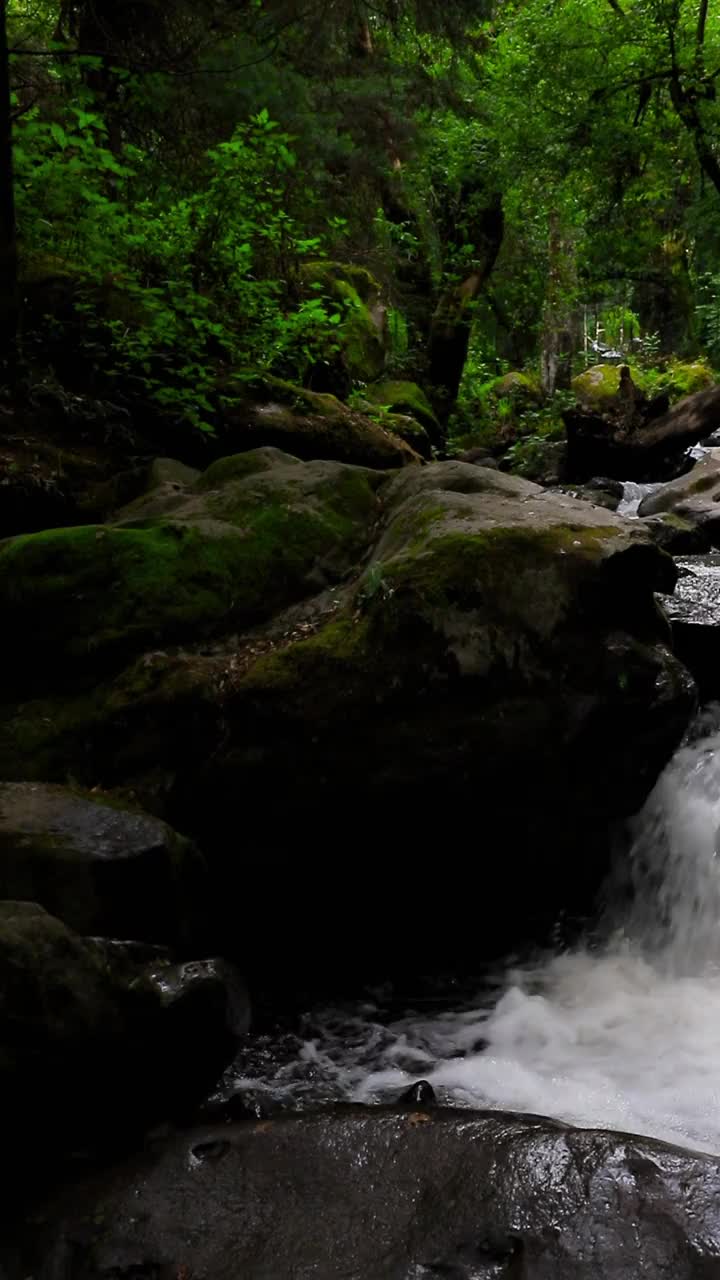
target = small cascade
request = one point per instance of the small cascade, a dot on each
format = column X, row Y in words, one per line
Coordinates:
column 623, row 1034
column 633, row 495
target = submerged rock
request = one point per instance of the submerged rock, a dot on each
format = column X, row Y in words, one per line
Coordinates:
column 101, row 867
column 371, row 1194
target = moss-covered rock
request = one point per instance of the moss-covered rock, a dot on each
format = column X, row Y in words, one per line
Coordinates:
column 521, row 387
column 239, row 465
column 686, row 377
column 598, row 386
column 487, row 600
column 407, row 398
column 410, row 430
column 178, row 566
column 482, row 637
column 361, row 333
column 307, row 425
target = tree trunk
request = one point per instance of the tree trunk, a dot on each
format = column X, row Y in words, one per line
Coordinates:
column 557, row 330
column 452, row 321
column 8, row 238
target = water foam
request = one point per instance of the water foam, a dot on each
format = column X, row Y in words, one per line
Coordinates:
column 625, row 1035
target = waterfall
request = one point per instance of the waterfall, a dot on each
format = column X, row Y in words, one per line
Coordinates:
column 621, row 1034
column 633, row 495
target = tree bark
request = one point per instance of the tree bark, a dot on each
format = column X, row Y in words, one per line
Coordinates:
column 452, row 320
column 558, row 339
column 8, row 236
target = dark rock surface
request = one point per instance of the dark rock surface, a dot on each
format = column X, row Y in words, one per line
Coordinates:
column 100, row 866
column 102, row 1038
column 637, row 439
column 371, row 1195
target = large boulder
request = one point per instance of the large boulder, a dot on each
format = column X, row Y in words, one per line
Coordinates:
column 179, row 564
column 102, row 1038
column 101, row 867
column 495, row 662
column 368, row 1194
column 308, row 424
column 693, row 498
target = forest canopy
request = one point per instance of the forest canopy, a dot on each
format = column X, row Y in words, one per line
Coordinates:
column 433, row 192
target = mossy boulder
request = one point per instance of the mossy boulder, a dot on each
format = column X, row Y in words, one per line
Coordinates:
column 100, row 866
column 305, row 424
column 686, row 378
column 410, row 430
column 522, row 388
column 500, row 638
column 598, row 386
column 361, row 334
column 414, row 654
column 408, row 399
column 178, row 566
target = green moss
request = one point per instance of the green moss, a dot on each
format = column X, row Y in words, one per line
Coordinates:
column 405, row 398
column 240, row 465
column 515, row 385
column 89, row 593
column 410, row 430
column 674, row 521
column 298, row 399
column 702, row 484
column 509, row 565
column 330, row 274
column 600, row 384
column 45, row 739
column 686, row 378
column 355, row 291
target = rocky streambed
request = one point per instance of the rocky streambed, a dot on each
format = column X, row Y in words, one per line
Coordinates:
column 396, row 717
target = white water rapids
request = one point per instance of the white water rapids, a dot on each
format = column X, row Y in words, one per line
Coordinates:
column 623, row 1035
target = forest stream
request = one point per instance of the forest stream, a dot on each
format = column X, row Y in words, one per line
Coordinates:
column 622, row 1033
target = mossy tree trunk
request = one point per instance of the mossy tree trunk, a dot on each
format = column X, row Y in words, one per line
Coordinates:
column 8, row 236
column 558, row 339
column 451, row 324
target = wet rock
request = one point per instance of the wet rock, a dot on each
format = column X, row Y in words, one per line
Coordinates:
column 694, row 611
column 420, row 1094
column 100, row 866
column 692, row 498
column 452, row 1194
column 676, row 535
column 99, row 1038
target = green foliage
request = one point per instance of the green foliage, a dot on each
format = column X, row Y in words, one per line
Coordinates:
column 171, row 287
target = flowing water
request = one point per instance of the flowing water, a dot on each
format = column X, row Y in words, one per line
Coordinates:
column 633, row 495
column 622, row 1034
